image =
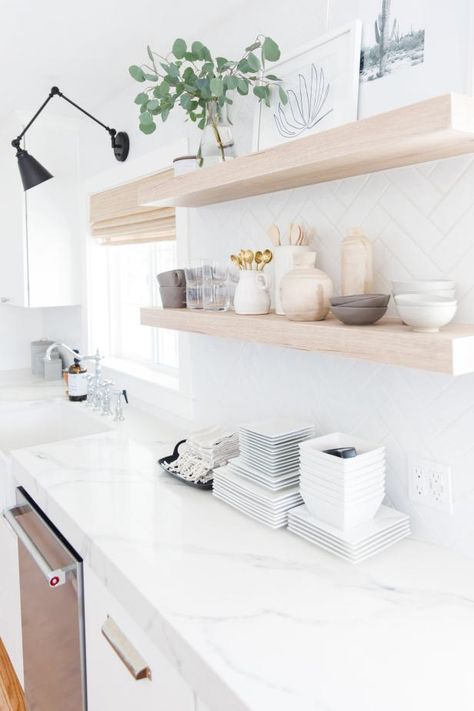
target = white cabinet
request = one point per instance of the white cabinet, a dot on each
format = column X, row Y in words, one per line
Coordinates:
column 10, row 610
column 110, row 684
column 40, row 230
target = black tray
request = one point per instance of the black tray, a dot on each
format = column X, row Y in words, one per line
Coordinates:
column 172, row 458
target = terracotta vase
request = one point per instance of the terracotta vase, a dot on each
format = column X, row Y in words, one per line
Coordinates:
column 305, row 291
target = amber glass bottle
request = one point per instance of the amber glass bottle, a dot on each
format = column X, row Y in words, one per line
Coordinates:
column 77, row 381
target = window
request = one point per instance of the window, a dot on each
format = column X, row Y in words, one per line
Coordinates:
column 123, row 279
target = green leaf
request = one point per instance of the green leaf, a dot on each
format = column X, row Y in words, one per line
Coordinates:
column 243, row 66
column 272, row 77
column 253, row 62
column 137, row 73
column 179, row 48
column 141, row 98
column 153, row 105
column 190, row 57
column 217, row 87
column 202, row 123
column 150, row 53
column 173, row 70
column 283, row 95
column 242, row 86
column 231, row 82
column 146, row 118
column 261, row 91
column 165, row 114
column 147, row 128
column 197, row 49
column 270, row 50
column 151, row 77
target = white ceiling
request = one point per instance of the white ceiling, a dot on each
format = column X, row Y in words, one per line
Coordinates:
column 85, row 47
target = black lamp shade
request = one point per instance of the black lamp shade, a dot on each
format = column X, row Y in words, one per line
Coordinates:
column 32, row 173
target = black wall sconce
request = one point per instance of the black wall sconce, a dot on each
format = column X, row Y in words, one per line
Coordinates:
column 33, row 173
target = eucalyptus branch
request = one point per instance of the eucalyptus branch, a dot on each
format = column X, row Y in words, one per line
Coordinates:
column 193, row 78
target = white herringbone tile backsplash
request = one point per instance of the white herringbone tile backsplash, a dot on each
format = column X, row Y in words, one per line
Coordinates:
column 421, row 222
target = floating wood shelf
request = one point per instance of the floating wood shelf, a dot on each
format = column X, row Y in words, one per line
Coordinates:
column 388, row 341
column 429, row 130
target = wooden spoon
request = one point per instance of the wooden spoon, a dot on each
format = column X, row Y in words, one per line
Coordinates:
column 274, row 233
column 295, row 234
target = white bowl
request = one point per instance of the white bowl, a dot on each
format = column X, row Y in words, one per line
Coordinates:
column 424, row 300
column 352, row 481
column 444, row 287
column 342, row 500
column 425, row 314
column 367, row 453
column 346, row 516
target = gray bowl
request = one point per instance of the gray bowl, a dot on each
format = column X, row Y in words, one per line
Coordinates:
column 173, row 297
column 361, row 300
column 359, row 315
column 175, row 277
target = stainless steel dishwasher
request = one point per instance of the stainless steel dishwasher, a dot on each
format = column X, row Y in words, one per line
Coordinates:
column 52, row 611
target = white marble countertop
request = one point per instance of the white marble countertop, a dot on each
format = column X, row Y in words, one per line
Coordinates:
column 257, row 619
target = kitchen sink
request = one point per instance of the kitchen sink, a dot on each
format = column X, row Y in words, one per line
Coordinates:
column 27, row 424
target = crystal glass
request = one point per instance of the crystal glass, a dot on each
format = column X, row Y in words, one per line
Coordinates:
column 215, row 292
column 194, row 284
column 217, row 141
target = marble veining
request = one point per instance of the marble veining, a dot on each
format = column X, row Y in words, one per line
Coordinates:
column 257, row 619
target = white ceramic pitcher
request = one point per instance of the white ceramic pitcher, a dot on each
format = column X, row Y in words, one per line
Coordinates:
column 252, row 295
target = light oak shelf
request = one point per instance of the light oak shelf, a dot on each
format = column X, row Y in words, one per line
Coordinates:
column 429, row 130
column 450, row 351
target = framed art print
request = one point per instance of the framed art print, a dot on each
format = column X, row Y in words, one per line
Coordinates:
column 321, row 80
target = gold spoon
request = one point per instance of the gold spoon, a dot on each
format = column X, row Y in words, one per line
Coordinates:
column 248, row 257
column 242, row 258
column 236, row 260
column 267, row 257
column 258, row 259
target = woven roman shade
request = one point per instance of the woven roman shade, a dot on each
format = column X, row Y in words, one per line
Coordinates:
column 117, row 218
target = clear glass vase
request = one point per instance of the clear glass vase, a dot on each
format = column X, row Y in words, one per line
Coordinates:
column 217, row 141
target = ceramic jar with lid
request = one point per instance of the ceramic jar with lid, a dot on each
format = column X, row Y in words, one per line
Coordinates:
column 356, row 264
column 305, row 291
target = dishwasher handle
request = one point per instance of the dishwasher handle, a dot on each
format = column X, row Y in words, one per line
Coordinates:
column 55, row 578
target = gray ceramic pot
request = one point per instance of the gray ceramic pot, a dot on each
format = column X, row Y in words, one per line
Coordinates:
column 173, row 297
column 175, row 277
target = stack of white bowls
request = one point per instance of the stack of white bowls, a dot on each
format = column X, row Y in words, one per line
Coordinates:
column 425, row 305
column 342, row 492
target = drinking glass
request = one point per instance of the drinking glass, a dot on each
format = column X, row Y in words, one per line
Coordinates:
column 194, row 284
column 215, row 292
column 232, row 281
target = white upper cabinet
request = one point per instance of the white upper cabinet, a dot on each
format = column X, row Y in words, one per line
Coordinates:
column 40, row 230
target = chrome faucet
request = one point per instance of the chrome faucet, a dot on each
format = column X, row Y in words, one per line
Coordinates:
column 78, row 356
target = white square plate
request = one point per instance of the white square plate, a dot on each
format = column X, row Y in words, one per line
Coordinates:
column 277, row 427
column 368, row 553
column 385, row 518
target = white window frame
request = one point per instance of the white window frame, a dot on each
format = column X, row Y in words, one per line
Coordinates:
column 152, row 388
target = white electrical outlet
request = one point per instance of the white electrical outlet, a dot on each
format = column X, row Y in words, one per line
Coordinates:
column 430, row 484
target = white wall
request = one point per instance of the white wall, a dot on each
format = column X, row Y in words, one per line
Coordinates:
column 421, row 221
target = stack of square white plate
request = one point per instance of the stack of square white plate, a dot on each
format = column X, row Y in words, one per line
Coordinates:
column 342, row 492
column 268, row 507
column 271, row 448
column 357, row 544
